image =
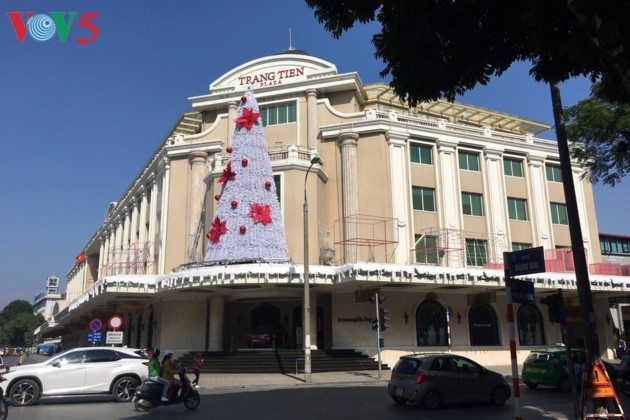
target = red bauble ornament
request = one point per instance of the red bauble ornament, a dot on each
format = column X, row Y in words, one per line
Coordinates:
column 243, row 99
column 234, row 203
column 217, row 197
column 229, row 149
column 244, row 162
column 243, row 229
column 267, row 184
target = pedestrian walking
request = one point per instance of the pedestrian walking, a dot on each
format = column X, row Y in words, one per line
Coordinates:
column 197, row 361
column 22, row 359
column 623, row 346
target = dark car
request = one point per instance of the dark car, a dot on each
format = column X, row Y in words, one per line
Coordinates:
column 267, row 336
column 549, row 367
column 435, row 379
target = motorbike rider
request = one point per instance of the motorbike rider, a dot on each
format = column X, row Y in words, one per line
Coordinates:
column 168, row 370
column 155, row 373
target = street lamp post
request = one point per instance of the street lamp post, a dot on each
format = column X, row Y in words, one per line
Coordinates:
column 307, row 304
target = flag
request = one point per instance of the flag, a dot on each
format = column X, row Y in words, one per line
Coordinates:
column 80, row 258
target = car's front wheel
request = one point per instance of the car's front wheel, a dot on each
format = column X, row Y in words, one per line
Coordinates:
column 124, row 388
column 498, row 396
column 531, row 386
column 24, row 392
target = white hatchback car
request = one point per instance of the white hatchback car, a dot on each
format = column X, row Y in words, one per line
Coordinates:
column 81, row 371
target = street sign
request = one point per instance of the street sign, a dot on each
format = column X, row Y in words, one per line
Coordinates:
column 115, row 322
column 526, row 261
column 96, row 324
column 95, row 337
column 523, row 292
column 114, row 337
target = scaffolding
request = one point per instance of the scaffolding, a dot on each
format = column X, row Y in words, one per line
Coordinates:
column 370, row 238
column 457, row 248
column 132, row 259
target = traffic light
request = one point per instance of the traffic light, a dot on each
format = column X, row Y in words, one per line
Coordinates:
column 381, row 342
column 375, row 324
column 381, row 299
column 554, row 306
column 383, row 319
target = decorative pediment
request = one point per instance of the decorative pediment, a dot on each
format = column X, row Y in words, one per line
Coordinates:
column 280, row 69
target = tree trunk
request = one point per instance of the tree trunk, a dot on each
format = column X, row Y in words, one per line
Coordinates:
column 591, row 340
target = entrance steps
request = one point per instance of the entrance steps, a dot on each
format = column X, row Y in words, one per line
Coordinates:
column 281, row 361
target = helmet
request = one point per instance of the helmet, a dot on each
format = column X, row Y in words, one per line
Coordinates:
column 168, row 353
column 156, row 352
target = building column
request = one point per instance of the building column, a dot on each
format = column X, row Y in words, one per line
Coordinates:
column 101, row 258
column 496, row 204
column 118, row 235
column 348, row 142
column 164, row 215
column 398, row 173
column 125, row 251
column 133, row 235
column 578, row 182
column 142, row 237
column 231, row 125
column 196, row 194
column 541, row 229
column 311, row 118
column 152, row 239
column 449, row 200
column 217, row 305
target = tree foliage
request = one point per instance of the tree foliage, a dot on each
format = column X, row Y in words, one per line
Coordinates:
column 442, row 48
column 17, row 323
column 600, row 130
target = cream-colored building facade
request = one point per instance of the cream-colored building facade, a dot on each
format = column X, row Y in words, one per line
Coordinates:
column 418, row 204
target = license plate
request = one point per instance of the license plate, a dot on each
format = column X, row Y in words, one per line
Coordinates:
column 398, row 392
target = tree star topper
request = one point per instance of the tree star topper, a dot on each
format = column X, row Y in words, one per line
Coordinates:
column 247, row 119
column 260, row 213
column 218, row 229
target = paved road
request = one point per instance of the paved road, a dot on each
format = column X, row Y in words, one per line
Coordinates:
column 347, row 402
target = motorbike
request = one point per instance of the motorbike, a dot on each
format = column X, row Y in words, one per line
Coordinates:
column 4, row 407
column 149, row 394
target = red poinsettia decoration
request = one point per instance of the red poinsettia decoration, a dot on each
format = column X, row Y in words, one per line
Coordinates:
column 247, row 119
column 261, row 213
column 218, row 229
column 227, row 174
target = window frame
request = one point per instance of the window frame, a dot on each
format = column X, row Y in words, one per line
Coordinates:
column 471, row 204
column 466, row 155
column 556, row 216
column 509, row 162
column 288, row 108
column 519, row 246
column 421, row 157
column 534, row 315
column 553, row 172
column 477, row 257
column 513, row 209
column 421, row 196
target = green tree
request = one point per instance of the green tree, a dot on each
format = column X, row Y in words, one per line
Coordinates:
column 17, row 323
column 600, row 129
column 442, row 48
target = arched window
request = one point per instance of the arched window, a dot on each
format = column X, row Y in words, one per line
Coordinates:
column 431, row 324
column 484, row 329
column 531, row 331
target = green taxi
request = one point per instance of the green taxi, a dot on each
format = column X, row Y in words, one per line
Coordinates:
column 549, row 367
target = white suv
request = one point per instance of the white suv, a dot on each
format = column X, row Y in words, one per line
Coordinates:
column 88, row 370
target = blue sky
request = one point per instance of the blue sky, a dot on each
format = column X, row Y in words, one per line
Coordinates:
column 79, row 121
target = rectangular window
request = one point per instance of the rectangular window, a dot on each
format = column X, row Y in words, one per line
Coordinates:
column 513, row 167
column 277, row 181
column 423, row 198
column 471, row 204
column 519, row 246
column 469, row 161
column 476, row 252
column 559, row 214
column 275, row 114
column 427, row 251
column 517, row 209
column 554, row 174
column 420, row 154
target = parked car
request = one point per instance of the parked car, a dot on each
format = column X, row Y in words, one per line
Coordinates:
column 549, row 367
column 435, row 379
column 267, row 336
column 88, row 370
column 2, row 367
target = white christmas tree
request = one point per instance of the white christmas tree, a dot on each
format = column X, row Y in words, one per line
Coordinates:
column 247, row 226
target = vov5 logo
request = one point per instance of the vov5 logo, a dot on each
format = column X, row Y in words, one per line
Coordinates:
column 42, row 27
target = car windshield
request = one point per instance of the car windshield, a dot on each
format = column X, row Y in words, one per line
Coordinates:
column 407, row 366
column 538, row 357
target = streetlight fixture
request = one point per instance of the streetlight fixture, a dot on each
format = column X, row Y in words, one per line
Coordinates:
column 307, row 305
